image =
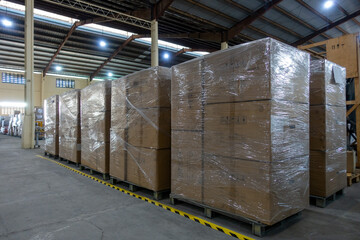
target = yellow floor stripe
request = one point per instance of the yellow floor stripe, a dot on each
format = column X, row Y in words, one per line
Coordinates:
column 164, row 206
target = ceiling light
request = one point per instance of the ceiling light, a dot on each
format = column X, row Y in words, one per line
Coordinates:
column 328, row 4
column 6, row 22
column 166, row 56
column 102, row 43
column 58, row 68
column 110, row 74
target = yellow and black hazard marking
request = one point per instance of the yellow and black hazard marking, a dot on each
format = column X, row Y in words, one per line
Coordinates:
column 156, row 203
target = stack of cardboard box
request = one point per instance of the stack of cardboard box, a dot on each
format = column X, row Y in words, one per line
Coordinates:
column 140, row 129
column 327, row 128
column 95, row 126
column 51, row 118
column 69, row 126
column 240, row 131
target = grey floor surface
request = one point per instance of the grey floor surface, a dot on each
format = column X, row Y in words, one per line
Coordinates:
column 42, row 200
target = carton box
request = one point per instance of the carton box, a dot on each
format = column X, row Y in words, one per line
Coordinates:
column 69, row 126
column 351, row 161
column 145, row 167
column 95, row 126
column 140, row 129
column 51, row 118
column 327, row 172
column 257, row 130
column 327, row 127
column 327, row 83
column 262, row 191
column 186, row 164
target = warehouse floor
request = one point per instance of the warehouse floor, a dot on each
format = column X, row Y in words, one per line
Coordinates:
column 42, row 200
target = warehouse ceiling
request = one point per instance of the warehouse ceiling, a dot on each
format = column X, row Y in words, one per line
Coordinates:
column 196, row 24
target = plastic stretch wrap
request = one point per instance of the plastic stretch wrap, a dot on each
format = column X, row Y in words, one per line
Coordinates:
column 95, row 126
column 51, row 118
column 69, row 126
column 327, row 128
column 240, row 130
column 140, row 129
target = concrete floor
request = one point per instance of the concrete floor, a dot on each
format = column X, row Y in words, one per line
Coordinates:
column 42, row 200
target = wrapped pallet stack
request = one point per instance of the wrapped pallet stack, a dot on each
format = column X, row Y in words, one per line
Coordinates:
column 140, row 129
column 327, row 128
column 95, row 127
column 69, row 126
column 51, row 118
column 240, row 131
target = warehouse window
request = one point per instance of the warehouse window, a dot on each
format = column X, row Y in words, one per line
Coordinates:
column 13, row 78
column 65, row 83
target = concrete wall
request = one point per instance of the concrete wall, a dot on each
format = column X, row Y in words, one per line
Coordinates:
column 42, row 89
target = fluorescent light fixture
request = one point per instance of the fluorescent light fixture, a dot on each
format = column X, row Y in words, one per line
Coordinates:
column 67, row 76
column 58, row 68
column 102, row 43
column 6, row 22
column 328, row 4
column 110, row 74
column 166, row 56
column 12, row 104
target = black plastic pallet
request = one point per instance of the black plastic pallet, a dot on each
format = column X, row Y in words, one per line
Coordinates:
column 69, row 161
column 51, row 155
column 324, row 201
column 258, row 229
column 157, row 195
column 105, row 176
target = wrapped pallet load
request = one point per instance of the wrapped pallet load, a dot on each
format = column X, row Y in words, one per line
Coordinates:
column 51, row 118
column 240, row 131
column 95, row 127
column 140, row 129
column 69, row 126
column 327, row 129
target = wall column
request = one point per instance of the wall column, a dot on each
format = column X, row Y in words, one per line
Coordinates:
column 224, row 45
column 28, row 134
column 154, row 43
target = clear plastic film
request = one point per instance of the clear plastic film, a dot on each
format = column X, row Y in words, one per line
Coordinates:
column 69, row 126
column 240, row 130
column 51, row 118
column 327, row 83
column 140, row 129
column 95, row 126
column 327, row 128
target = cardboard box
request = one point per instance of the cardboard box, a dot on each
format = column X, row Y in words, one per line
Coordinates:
column 51, row 118
column 327, row 172
column 95, row 126
column 149, row 128
column 257, row 130
column 145, row 167
column 262, row 191
column 69, row 126
column 327, row 83
column 140, row 129
column 186, row 165
column 351, row 161
column 149, row 88
column 327, row 127
column 186, row 95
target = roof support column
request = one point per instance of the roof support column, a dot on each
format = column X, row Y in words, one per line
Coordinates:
column 154, row 43
column 224, row 45
column 27, row 140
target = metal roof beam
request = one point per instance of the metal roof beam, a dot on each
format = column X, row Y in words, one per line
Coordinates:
column 160, row 8
column 237, row 28
column 72, row 29
column 91, row 8
column 324, row 29
column 346, row 13
column 116, row 52
column 320, row 15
